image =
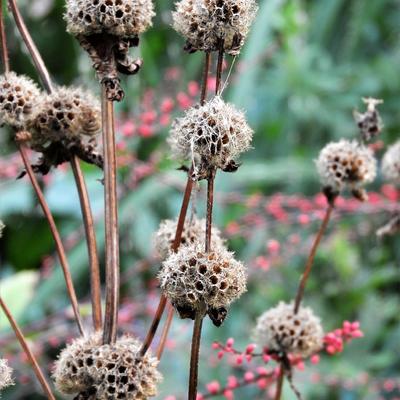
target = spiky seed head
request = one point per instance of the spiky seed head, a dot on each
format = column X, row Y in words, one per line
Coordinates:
column 205, row 23
column 280, row 329
column 391, row 163
column 5, row 374
column 19, row 99
column 192, row 278
column 212, row 135
column 194, row 232
column 109, row 371
column 346, row 164
column 369, row 122
column 122, row 18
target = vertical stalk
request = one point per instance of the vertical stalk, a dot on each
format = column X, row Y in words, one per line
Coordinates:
column 279, row 384
column 111, row 220
column 95, row 284
column 310, row 261
column 56, row 236
column 21, row 338
column 219, row 67
column 165, row 331
column 3, row 39
column 205, row 78
column 210, row 206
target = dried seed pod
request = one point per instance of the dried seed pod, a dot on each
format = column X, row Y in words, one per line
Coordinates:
column 391, row 163
column 19, row 99
column 346, row 164
column 281, row 330
column 194, row 232
column 107, row 372
column 192, row 278
column 206, row 24
column 369, row 122
column 5, row 374
column 212, row 136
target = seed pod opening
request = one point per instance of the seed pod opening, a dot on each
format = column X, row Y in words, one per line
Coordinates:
column 391, row 163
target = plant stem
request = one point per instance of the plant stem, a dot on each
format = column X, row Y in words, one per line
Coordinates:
column 56, row 236
column 36, row 57
column 165, row 331
column 279, row 384
column 310, row 261
column 20, row 336
column 90, row 235
column 219, row 67
column 111, row 220
column 210, row 206
column 3, row 38
column 205, row 78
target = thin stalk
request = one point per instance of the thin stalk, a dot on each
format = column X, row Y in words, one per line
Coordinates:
column 206, row 71
column 90, row 235
column 111, row 221
column 210, row 206
column 164, row 334
column 310, row 261
column 3, row 39
column 36, row 57
column 219, row 67
column 21, row 338
column 56, row 236
column 279, row 384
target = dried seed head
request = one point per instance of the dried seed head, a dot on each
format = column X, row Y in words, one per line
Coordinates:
column 280, row 329
column 122, row 18
column 5, row 374
column 2, row 226
column 391, row 163
column 191, row 278
column 194, row 232
column 212, row 135
column 19, row 98
column 370, row 122
column 107, row 371
column 205, row 23
column 346, row 164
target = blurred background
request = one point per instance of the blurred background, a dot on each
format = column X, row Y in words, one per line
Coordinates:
column 304, row 69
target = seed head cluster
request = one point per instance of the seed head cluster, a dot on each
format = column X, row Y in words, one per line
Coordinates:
column 369, row 122
column 19, row 97
column 5, row 374
column 391, row 163
column 346, row 164
column 107, row 372
column 206, row 24
column 212, row 136
column 280, row 329
column 193, row 233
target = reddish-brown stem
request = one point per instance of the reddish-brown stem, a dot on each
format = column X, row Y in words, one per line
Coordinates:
column 206, row 71
column 310, row 261
column 210, row 206
column 56, row 236
column 164, row 334
column 219, row 67
column 36, row 57
column 21, row 338
column 279, row 384
column 111, row 220
column 3, row 39
column 90, row 235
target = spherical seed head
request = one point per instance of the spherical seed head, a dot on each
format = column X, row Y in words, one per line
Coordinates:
column 391, row 163
column 191, row 278
column 193, row 233
column 369, row 122
column 5, row 374
column 346, row 164
column 19, row 98
column 205, row 23
column 212, row 135
column 108, row 371
column 123, row 18
column 280, row 329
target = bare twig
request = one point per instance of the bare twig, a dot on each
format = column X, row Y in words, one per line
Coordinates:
column 20, row 336
column 164, row 334
column 279, row 384
column 219, row 67
column 210, row 206
column 3, row 39
column 205, row 78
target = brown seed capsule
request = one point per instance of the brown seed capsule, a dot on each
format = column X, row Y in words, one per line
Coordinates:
column 5, row 374
column 369, row 122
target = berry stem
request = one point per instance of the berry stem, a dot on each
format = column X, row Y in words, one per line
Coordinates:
column 310, row 261
column 219, row 67
column 3, row 37
column 210, row 206
column 95, row 284
column 279, row 384
column 56, row 236
column 111, row 220
column 165, row 331
column 24, row 344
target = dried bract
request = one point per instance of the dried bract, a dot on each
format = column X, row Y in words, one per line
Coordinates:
column 106, row 372
column 281, row 330
column 208, row 25
column 391, row 163
column 369, row 122
column 5, row 374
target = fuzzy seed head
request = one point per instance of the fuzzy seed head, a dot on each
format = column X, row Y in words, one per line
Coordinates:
column 280, row 329
column 109, row 372
column 346, row 164
column 205, row 23
column 19, row 98
column 191, row 278
column 5, row 374
column 193, row 233
column 122, row 18
column 391, row 163
column 212, row 136
column 369, row 122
